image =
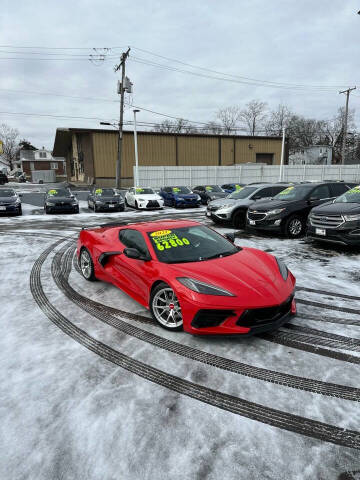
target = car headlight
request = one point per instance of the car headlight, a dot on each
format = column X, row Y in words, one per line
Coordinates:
column 276, row 211
column 282, row 268
column 352, row 218
column 99, row 201
column 225, row 208
column 74, row 202
column 141, row 200
column 204, row 288
column 49, row 204
column 198, row 197
column 17, row 201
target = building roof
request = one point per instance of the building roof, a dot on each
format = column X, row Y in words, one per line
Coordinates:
column 63, row 136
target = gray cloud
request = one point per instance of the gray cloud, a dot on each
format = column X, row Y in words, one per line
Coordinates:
column 301, row 42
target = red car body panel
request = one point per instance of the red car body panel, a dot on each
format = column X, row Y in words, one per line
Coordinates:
column 252, row 275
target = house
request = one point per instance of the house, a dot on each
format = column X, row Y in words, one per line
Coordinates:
column 91, row 154
column 31, row 161
column 313, row 155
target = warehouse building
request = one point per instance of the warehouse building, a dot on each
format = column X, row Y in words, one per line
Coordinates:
column 91, row 153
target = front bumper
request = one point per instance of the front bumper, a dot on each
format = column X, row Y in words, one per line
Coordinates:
column 187, row 202
column 151, row 204
column 65, row 208
column 111, row 207
column 223, row 315
column 6, row 209
column 345, row 235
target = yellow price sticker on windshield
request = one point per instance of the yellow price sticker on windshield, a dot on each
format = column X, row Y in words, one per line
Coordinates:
column 98, row 191
column 238, row 187
column 165, row 239
column 139, row 190
column 354, row 190
column 286, row 191
column 176, row 189
column 160, row 233
column 53, row 192
column 208, row 189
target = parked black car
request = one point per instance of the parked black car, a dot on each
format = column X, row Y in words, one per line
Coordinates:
column 3, row 178
column 10, row 202
column 337, row 221
column 106, row 199
column 287, row 212
column 209, row 193
column 60, row 200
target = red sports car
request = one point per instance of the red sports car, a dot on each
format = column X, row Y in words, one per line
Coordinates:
column 190, row 276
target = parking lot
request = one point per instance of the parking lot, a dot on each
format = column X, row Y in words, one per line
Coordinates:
column 93, row 389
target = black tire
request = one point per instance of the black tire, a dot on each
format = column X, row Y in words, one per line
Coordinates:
column 47, row 211
column 294, row 226
column 95, row 208
column 121, row 209
column 238, row 219
column 126, row 202
column 90, row 274
column 154, row 295
column 19, row 212
column 136, row 204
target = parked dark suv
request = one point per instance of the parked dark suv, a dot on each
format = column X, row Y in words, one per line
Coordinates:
column 209, row 192
column 337, row 221
column 287, row 212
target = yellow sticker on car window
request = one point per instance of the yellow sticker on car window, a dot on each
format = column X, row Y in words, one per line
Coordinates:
column 176, row 189
column 165, row 239
column 52, row 192
column 139, row 190
column 238, row 187
column 208, row 189
column 286, row 191
column 98, row 191
column 354, row 190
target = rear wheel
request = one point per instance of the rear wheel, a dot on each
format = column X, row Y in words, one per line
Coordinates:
column 165, row 308
column 294, row 226
column 238, row 219
column 86, row 265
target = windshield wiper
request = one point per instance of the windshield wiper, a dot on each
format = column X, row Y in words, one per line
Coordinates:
column 218, row 255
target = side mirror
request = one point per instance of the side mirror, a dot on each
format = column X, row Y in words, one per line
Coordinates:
column 134, row 253
column 230, row 237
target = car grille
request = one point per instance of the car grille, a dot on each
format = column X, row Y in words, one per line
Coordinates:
column 260, row 316
column 256, row 215
column 328, row 221
column 111, row 203
column 153, row 203
column 190, row 200
column 7, row 204
column 210, row 318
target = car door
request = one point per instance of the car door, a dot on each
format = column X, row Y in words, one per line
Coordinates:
column 133, row 274
column 319, row 195
column 266, row 192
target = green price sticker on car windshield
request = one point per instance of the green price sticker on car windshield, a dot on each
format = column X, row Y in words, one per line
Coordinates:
column 176, row 190
column 208, row 189
column 166, row 239
column 139, row 190
column 53, row 192
column 355, row 190
column 286, row 191
column 98, row 191
column 238, row 187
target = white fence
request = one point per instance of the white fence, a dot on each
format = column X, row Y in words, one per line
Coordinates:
column 246, row 173
column 47, row 176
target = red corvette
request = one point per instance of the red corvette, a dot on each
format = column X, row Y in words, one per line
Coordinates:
column 190, row 276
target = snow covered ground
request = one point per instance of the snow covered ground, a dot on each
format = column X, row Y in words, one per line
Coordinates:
column 248, row 409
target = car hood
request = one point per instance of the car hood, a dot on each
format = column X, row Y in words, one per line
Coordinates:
column 222, row 202
column 252, row 275
column 8, row 199
column 148, row 196
column 185, row 195
column 61, row 199
column 337, row 208
column 217, row 194
column 261, row 206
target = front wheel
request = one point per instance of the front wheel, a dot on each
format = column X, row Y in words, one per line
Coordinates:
column 294, row 226
column 165, row 308
column 86, row 265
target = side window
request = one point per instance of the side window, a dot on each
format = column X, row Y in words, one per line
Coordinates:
column 321, row 192
column 200, row 189
column 338, row 189
column 265, row 192
column 278, row 189
column 225, row 186
column 133, row 239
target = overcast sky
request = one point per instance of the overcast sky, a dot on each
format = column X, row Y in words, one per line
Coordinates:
column 303, row 43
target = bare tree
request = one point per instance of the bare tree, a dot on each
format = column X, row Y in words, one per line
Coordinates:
column 279, row 118
column 213, row 128
column 9, row 137
column 177, row 126
column 229, row 118
column 254, row 115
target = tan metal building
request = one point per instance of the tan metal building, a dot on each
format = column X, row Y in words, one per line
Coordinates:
column 91, row 153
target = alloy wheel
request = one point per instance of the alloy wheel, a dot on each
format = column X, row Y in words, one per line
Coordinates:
column 166, row 308
column 295, row 227
column 85, row 264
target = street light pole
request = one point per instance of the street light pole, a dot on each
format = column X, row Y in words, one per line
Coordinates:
column 282, row 154
column 136, row 152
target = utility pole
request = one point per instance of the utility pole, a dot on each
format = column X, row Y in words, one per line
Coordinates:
column 136, row 152
column 346, row 122
column 122, row 90
column 282, row 155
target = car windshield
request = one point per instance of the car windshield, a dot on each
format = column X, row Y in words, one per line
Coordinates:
column 190, row 244
column 213, row 188
column 61, row 192
column 242, row 192
column 105, row 192
column 181, row 190
column 7, row 193
column 351, row 196
column 145, row 191
column 299, row 192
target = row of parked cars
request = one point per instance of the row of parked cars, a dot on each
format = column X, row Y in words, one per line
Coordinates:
column 327, row 211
